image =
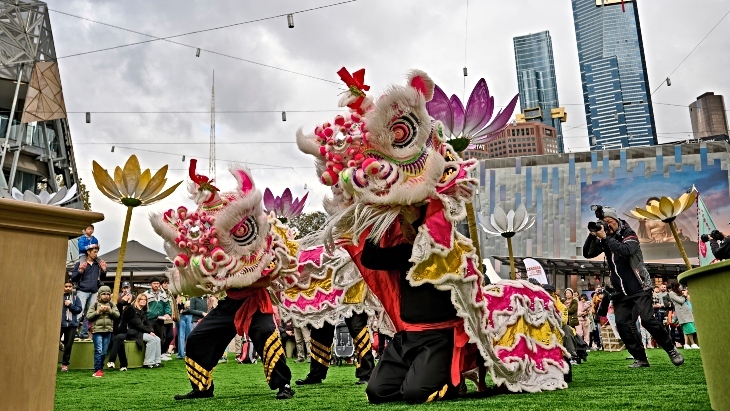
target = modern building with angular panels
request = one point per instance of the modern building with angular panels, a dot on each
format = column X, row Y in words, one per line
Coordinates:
column 616, row 93
column 35, row 141
column 560, row 188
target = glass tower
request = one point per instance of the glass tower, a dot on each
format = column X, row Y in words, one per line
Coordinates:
column 616, row 90
column 536, row 79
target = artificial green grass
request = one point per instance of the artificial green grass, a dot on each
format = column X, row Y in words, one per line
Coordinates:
column 603, row 383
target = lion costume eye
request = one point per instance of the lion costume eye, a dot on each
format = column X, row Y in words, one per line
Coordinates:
column 405, row 130
column 245, row 232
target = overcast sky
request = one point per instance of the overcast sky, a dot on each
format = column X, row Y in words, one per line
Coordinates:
column 388, row 38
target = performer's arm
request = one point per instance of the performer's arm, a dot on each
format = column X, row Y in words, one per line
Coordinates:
column 391, row 258
column 262, row 282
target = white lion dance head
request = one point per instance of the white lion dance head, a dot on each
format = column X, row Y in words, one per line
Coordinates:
column 227, row 241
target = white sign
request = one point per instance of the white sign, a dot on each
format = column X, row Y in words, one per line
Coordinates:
column 535, row 270
column 494, row 278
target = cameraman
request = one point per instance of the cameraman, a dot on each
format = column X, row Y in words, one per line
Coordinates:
column 615, row 238
column 720, row 248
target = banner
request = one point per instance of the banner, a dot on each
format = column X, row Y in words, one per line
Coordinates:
column 705, row 226
column 535, row 270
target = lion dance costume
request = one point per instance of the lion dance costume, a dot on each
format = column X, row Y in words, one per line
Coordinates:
column 330, row 288
column 229, row 244
column 408, row 189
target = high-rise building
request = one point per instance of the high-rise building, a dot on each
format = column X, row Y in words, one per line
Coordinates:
column 709, row 117
column 616, row 92
column 518, row 140
column 35, row 144
column 536, row 80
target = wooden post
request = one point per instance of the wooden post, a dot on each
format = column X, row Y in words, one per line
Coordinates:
column 33, row 245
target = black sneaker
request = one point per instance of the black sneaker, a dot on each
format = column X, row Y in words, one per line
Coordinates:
column 361, row 381
column 676, row 357
column 285, row 393
column 309, row 381
column 158, row 365
column 195, row 394
column 639, row 364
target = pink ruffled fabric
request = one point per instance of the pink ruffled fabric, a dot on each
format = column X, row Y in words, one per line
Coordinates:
column 320, row 298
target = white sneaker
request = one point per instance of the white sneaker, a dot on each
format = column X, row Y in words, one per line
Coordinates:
column 123, row 369
column 165, row 357
column 687, row 347
column 110, row 365
column 695, row 347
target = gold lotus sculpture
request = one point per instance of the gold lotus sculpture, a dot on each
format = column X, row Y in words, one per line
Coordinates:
column 131, row 187
column 667, row 210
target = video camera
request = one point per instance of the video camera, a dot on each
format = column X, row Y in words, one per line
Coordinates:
column 714, row 234
column 599, row 225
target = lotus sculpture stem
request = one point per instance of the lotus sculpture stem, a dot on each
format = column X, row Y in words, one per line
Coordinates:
column 473, row 232
column 122, row 251
column 679, row 244
column 512, row 274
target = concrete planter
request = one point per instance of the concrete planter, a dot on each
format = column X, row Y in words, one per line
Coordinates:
column 708, row 287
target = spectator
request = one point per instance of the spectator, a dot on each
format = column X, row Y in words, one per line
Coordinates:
column 87, row 239
column 683, row 311
column 69, row 321
column 184, row 326
column 139, row 329
column 584, row 318
column 174, row 317
column 120, row 329
column 572, row 308
column 88, row 275
column 302, row 338
column 159, row 309
column 102, row 313
column 286, row 331
column 198, row 309
column 660, row 310
column 596, row 334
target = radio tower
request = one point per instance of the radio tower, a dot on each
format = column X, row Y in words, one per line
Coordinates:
column 211, row 160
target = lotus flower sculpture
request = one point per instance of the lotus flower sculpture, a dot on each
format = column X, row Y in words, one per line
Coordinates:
column 284, row 207
column 56, row 199
column 667, row 210
column 467, row 127
column 132, row 188
column 507, row 225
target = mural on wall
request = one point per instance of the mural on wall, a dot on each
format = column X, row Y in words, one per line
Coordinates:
column 658, row 244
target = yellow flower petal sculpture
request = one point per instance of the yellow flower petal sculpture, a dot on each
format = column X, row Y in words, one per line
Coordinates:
column 133, row 188
column 667, row 210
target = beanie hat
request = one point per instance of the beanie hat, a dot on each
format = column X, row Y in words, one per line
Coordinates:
column 571, row 291
column 154, row 280
column 610, row 212
column 105, row 289
column 126, row 284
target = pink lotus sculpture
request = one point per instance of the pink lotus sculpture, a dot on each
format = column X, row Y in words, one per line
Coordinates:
column 467, row 127
column 284, row 207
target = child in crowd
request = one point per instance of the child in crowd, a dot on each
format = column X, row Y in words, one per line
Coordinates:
column 85, row 241
column 69, row 321
column 102, row 314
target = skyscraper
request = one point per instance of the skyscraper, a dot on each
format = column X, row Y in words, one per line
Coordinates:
column 708, row 116
column 536, row 80
column 616, row 92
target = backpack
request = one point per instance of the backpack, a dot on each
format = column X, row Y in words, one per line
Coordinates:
column 248, row 353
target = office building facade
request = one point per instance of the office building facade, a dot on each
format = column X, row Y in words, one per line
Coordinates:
column 536, row 80
column 709, row 117
column 518, row 140
column 616, row 93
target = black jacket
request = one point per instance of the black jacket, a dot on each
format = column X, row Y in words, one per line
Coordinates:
column 135, row 325
column 623, row 254
column 422, row 304
column 720, row 251
column 89, row 280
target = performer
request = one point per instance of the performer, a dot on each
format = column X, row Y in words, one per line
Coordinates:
column 229, row 244
column 409, row 189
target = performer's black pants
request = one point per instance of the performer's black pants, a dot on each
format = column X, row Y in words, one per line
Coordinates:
column 415, row 368
column 208, row 340
column 627, row 310
column 321, row 351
